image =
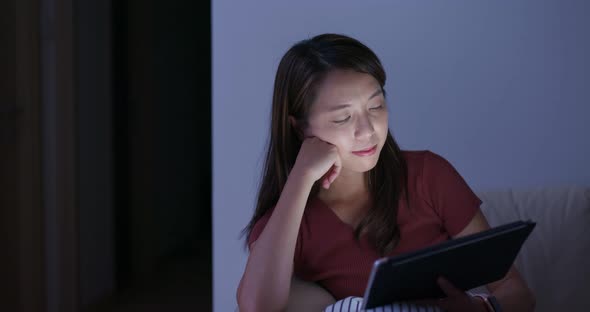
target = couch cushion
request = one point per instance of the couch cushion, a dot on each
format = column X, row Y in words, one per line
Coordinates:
column 554, row 259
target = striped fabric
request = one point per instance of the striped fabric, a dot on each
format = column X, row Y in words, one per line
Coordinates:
column 353, row 304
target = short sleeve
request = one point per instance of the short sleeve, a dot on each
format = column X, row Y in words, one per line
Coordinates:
column 448, row 193
column 259, row 227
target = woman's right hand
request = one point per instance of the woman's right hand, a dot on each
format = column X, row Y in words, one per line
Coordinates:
column 317, row 160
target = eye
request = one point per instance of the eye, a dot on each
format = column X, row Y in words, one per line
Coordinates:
column 376, row 107
column 342, row 121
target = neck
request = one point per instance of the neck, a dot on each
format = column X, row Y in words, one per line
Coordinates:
column 347, row 186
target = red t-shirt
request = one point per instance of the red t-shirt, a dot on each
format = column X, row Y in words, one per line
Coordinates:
column 326, row 252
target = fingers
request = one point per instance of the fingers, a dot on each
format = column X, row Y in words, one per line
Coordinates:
column 336, row 170
column 328, row 150
column 446, row 304
column 330, row 177
column 448, row 288
column 326, row 180
column 333, row 173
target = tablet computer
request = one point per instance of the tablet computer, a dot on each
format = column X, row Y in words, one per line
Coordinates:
column 467, row 262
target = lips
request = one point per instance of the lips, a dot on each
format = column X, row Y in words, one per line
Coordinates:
column 366, row 152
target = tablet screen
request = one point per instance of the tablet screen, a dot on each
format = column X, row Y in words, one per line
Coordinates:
column 467, row 262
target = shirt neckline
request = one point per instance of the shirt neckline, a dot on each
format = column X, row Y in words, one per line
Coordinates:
column 333, row 215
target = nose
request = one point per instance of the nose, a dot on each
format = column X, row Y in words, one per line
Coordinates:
column 364, row 128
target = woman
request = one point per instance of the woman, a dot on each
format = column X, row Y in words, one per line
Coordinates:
column 338, row 193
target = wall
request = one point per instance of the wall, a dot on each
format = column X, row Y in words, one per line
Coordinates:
column 498, row 88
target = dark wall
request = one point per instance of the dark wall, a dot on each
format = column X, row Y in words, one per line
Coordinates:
column 9, row 268
column 22, row 270
column 162, row 133
column 183, row 135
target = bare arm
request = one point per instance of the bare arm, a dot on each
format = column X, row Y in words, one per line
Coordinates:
column 511, row 291
column 266, row 282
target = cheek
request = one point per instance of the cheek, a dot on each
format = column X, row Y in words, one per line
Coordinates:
column 382, row 123
column 338, row 138
column 341, row 139
column 331, row 135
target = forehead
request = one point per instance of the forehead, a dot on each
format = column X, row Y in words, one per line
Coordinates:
column 344, row 87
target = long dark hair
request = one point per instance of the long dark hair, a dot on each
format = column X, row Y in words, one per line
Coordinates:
column 298, row 74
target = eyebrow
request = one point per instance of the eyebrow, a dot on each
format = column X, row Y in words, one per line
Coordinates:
column 341, row 106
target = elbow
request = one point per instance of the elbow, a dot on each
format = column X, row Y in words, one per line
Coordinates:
column 255, row 303
column 526, row 300
column 249, row 305
column 246, row 306
column 532, row 301
column 245, row 302
column 253, row 297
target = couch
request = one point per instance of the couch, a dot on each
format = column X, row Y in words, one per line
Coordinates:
column 555, row 260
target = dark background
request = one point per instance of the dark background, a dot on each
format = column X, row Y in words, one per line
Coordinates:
column 162, row 70
column 105, row 155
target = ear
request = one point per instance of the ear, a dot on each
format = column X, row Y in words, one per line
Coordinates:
column 296, row 127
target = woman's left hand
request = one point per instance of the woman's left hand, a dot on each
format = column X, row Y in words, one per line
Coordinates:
column 456, row 300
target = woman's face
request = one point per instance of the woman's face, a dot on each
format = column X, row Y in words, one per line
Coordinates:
column 350, row 112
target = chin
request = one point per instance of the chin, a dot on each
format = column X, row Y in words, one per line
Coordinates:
column 364, row 165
